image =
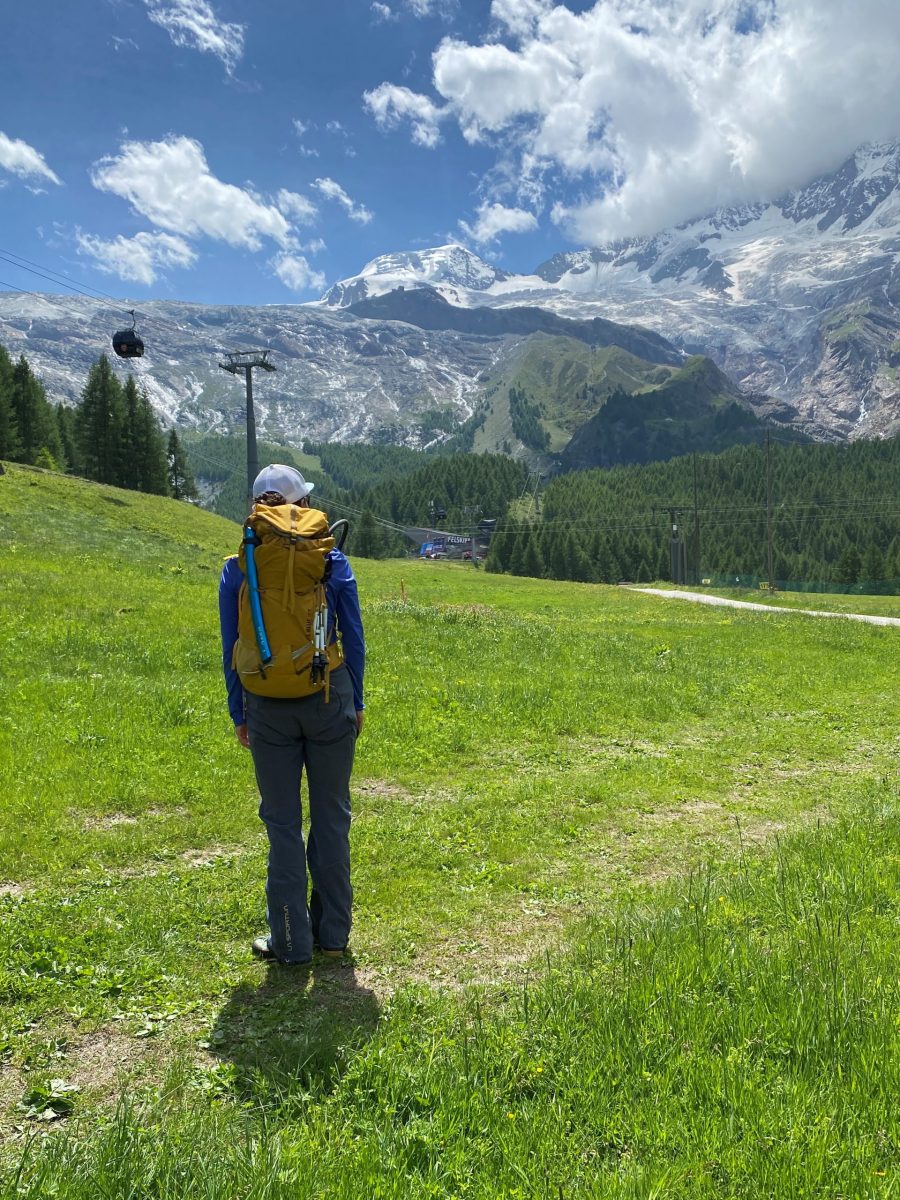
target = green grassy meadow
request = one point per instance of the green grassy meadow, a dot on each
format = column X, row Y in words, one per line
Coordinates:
column 626, row 873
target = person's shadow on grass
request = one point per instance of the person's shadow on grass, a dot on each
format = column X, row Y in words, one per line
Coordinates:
column 294, row 1033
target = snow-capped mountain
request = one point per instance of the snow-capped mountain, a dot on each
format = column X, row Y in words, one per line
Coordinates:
column 453, row 269
column 799, row 298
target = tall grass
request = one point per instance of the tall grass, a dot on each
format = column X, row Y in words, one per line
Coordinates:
column 731, row 1035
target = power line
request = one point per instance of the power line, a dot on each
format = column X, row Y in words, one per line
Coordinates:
column 60, row 280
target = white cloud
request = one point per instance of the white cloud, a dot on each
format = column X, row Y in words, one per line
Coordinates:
column 170, row 183
column 655, row 111
column 333, row 191
column 391, row 104
column 383, row 11
column 194, row 24
column 519, row 16
column 138, row 258
column 301, row 128
column 445, row 9
column 295, row 272
column 300, row 210
column 23, row 160
column 491, row 86
column 495, row 219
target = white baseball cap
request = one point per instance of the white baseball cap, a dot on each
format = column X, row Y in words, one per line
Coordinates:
column 287, row 481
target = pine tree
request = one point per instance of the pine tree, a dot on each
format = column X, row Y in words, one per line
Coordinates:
column 367, row 540
column 663, row 563
column 100, row 422
column 872, row 571
column 152, row 448
column 68, row 436
column 517, row 554
column 145, row 453
column 35, row 423
column 848, row 567
column 181, row 481
column 130, row 472
column 607, row 568
column 562, row 551
column 532, row 563
column 10, row 442
column 498, row 552
column 46, row 460
column 581, row 569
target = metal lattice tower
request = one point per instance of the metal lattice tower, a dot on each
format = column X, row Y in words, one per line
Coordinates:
column 244, row 361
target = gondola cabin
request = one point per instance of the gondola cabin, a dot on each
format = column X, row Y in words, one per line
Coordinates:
column 126, row 342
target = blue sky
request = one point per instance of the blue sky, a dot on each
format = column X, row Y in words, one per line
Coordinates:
column 237, row 152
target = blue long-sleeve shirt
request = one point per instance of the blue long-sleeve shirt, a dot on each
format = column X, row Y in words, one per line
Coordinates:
column 343, row 613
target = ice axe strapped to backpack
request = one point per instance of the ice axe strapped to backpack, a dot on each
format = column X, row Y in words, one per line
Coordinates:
column 282, row 648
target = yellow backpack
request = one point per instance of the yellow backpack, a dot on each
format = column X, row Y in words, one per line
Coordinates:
column 290, row 547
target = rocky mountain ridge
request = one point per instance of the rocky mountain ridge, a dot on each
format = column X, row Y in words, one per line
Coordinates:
column 798, row 298
column 405, row 368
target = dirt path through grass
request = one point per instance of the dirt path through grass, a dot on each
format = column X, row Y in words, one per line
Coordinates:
column 701, row 598
column 497, row 946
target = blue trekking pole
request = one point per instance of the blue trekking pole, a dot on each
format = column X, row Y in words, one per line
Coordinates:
column 259, row 628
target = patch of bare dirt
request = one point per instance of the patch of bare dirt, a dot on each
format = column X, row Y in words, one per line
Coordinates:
column 474, row 958
column 114, row 820
column 688, row 810
column 200, row 856
column 108, row 821
column 380, row 787
column 13, row 889
column 102, row 1059
column 12, row 1088
column 206, row 856
column 101, row 1063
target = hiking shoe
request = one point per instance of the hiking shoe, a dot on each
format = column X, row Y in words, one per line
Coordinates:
column 262, row 949
column 341, row 953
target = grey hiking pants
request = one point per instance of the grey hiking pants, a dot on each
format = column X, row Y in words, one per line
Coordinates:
column 286, row 736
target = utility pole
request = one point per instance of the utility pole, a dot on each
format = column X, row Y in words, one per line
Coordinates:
column 677, row 555
column 769, row 511
column 244, row 361
column 473, row 511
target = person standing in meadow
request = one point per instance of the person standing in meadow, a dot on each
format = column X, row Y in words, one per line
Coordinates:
column 301, row 708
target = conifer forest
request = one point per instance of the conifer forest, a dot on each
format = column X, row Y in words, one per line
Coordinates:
column 807, row 516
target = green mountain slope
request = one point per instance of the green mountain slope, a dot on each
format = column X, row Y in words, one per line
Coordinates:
column 563, row 387
column 696, row 408
column 605, row 407
column 567, row 380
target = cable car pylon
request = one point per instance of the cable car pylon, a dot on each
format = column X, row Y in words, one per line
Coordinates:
column 245, row 361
